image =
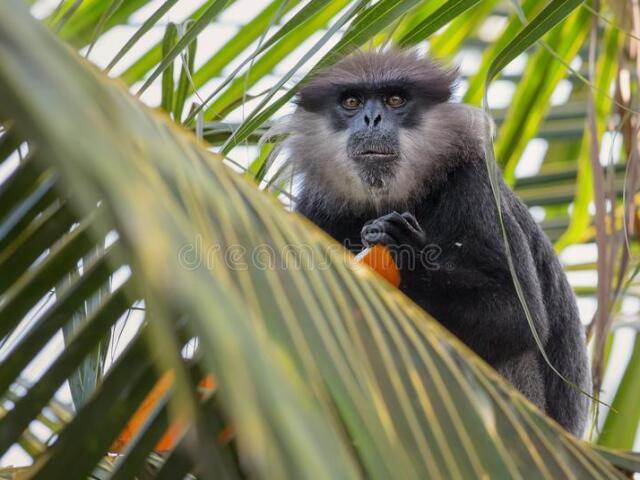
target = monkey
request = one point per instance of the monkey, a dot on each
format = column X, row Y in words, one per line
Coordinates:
column 384, row 156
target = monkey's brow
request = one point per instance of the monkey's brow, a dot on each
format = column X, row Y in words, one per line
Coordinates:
column 376, row 87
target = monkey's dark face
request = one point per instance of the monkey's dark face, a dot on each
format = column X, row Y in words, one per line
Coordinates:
column 372, row 118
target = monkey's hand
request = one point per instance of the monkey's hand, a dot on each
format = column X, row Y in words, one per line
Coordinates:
column 401, row 234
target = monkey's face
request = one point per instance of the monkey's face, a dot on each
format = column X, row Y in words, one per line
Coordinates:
column 370, row 118
column 373, row 129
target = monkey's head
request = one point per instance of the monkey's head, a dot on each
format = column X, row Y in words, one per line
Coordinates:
column 377, row 127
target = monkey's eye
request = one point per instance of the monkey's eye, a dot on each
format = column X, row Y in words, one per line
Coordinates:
column 395, row 101
column 351, row 102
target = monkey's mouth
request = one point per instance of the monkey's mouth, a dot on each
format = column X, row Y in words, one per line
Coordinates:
column 372, row 147
column 374, row 155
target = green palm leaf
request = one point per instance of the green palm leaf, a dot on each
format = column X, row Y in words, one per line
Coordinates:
column 322, row 370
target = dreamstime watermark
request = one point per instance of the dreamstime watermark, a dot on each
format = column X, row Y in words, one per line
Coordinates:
column 297, row 256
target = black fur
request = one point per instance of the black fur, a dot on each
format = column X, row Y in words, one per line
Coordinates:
column 466, row 283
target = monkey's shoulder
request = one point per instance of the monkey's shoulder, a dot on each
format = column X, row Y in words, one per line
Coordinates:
column 463, row 206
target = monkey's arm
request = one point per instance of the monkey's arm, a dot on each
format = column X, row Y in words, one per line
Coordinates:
column 468, row 286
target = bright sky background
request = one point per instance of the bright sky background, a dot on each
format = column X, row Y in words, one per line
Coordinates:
column 214, row 36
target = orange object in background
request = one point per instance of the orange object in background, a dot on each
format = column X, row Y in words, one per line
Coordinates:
column 379, row 259
column 176, row 428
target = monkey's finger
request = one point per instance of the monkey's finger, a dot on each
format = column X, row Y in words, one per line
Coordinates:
column 401, row 230
column 411, row 220
column 404, row 235
column 372, row 227
column 371, row 232
column 395, row 218
column 397, row 229
column 381, row 238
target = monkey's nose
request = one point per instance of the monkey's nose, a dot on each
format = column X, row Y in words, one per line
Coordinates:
column 376, row 121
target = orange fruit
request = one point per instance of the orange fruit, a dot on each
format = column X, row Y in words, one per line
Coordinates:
column 379, row 259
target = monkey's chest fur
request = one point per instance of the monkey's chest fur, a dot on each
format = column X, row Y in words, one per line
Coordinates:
column 448, row 244
column 455, row 260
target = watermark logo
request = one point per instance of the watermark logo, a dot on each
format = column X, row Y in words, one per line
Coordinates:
column 265, row 257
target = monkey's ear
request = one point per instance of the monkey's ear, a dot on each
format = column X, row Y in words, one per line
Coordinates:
column 315, row 96
column 308, row 102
